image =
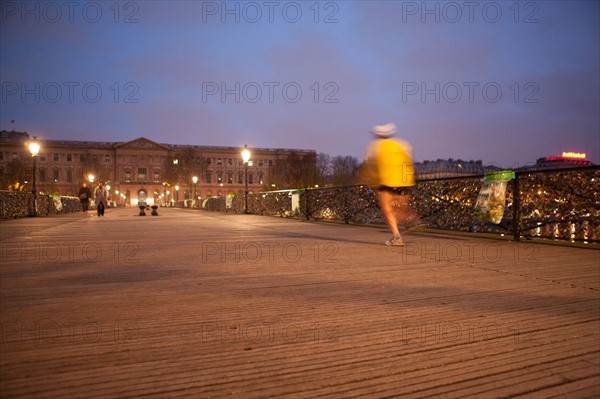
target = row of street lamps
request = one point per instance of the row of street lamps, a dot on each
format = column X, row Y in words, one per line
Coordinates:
column 34, row 148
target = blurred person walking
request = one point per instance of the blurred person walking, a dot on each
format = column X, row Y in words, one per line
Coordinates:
column 390, row 164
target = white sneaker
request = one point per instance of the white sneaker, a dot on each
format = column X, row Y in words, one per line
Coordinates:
column 395, row 241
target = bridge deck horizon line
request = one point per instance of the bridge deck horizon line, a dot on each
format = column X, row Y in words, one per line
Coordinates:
column 507, row 237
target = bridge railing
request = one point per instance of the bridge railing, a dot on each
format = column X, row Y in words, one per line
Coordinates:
column 15, row 204
column 557, row 203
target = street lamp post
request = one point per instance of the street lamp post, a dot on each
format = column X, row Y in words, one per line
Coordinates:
column 195, row 180
column 246, row 158
column 34, row 148
column 91, row 179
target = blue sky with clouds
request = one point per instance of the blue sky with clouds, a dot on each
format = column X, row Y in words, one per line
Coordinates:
column 506, row 82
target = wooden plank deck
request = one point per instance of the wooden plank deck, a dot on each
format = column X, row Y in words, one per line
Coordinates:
column 208, row 305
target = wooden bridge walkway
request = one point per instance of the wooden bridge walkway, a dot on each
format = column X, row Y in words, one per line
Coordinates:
column 207, row 305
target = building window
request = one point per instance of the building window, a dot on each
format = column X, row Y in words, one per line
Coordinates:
column 156, row 175
column 141, row 174
column 43, row 157
column 208, row 161
column 208, row 178
column 219, row 161
column 250, row 178
column 107, row 158
column 81, row 157
column 270, row 162
column 260, row 163
column 42, row 174
column 56, row 157
column 127, row 176
column 219, row 177
column 69, row 157
column 240, row 177
column 69, row 176
column 229, row 162
column 1, row 156
column 14, row 156
column 56, row 175
column 229, row 178
column 260, row 178
column 95, row 158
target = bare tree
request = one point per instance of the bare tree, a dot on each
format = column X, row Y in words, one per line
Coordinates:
column 91, row 165
column 184, row 165
column 324, row 171
column 344, row 170
column 297, row 170
column 17, row 172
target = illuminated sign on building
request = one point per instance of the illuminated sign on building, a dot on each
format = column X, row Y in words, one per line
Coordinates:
column 566, row 160
column 573, row 155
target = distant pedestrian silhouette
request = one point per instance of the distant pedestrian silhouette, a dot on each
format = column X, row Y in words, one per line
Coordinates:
column 84, row 197
column 101, row 196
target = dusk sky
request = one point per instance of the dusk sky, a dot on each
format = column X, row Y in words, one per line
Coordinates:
column 503, row 82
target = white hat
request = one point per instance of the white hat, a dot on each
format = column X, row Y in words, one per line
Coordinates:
column 384, row 130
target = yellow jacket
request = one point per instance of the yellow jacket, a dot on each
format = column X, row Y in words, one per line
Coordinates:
column 391, row 162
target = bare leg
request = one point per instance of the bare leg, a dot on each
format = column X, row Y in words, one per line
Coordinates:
column 386, row 202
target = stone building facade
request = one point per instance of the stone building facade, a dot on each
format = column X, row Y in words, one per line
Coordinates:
column 140, row 169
